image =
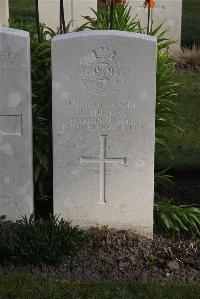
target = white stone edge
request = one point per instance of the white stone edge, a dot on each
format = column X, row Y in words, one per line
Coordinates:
column 13, row 31
column 90, row 33
column 25, row 34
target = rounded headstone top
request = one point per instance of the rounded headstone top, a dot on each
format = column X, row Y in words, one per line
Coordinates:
column 102, row 33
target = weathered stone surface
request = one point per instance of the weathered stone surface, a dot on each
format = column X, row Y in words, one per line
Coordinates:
column 103, row 128
column 168, row 12
column 74, row 12
column 16, row 178
column 4, row 12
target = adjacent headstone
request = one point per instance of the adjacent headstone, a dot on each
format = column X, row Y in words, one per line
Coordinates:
column 49, row 11
column 16, row 173
column 168, row 12
column 4, row 12
column 103, row 128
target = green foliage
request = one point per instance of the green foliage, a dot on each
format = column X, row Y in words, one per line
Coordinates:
column 177, row 219
column 121, row 19
column 166, row 115
column 162, row 178
column 39, row 241
column 42, row 111
column 165, row 93
column 22, row 10
column 162, row 42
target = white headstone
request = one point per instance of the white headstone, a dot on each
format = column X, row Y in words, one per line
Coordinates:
column 4, row 12
column 16, row 177
column 103, row 128
column 49, row 11
column 168, row 12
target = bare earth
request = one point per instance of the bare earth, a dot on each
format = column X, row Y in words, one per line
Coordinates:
column 111, row 255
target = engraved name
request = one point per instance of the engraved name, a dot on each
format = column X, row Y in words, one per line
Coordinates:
column 7, row 199
column 9, row 58
column 115, row 116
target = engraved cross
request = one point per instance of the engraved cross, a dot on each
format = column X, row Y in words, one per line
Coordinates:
column 102, row 160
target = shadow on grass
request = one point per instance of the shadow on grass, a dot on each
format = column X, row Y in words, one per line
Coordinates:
column 184, row 146
column 34, row 287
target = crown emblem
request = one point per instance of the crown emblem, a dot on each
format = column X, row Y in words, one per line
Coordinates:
column 104, row 53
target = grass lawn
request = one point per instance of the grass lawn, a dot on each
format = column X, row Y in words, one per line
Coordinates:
column 22, row 10
column 33, row 287
column 191, row 22
column 185, row 146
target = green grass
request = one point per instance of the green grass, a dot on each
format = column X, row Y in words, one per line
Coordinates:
column 34, row 287
column 191, row 22
column 22, row 10
column 185, row 146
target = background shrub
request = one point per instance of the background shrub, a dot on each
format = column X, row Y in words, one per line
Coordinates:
column 187, row 59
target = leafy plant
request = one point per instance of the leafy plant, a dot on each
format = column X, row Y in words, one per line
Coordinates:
column 39, row 241
column 177, row 219
column 165, row 93
column 122, row 19
column 162, row 42
column 42, row 114
column 162, row 178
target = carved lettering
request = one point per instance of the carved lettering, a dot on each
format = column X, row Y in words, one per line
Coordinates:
column 9, row 58
column 116, row 116
column 7, row 199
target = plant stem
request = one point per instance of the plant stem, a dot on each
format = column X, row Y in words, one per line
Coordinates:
column 149, row 15
column 111, row 14
column 62, row 17
column 37, row 20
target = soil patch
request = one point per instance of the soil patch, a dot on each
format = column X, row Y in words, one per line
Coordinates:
column 111, row 255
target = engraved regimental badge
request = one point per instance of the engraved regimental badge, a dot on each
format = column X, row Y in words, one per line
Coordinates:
column 103, row 71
